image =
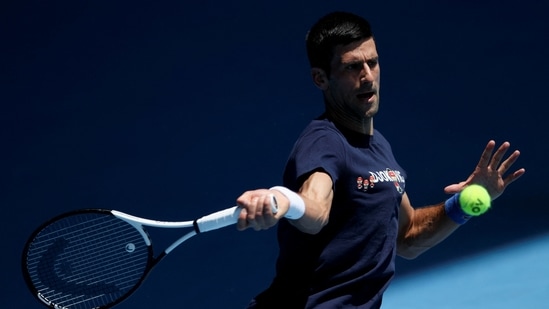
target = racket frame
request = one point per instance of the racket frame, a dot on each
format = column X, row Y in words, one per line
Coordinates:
column 207, row 223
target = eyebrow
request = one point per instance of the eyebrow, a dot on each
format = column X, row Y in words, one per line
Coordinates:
column 357, row 61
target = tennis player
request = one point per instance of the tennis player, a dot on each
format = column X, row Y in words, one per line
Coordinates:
column 344, row 213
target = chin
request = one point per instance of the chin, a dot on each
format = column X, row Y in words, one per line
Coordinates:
column 372, row 111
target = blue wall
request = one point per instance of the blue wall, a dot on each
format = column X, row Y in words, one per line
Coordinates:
column 171, row 110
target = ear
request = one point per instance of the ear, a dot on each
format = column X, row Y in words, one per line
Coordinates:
column 320, row 79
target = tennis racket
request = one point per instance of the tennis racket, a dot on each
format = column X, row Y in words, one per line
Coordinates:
column 96, row 258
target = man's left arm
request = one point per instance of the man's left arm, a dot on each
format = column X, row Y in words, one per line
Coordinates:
column 422, row 228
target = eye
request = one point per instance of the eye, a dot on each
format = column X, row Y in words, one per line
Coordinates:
column 353, row 66
column 372, row 63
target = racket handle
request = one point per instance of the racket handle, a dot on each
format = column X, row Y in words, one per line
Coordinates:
column 224, row 218
column 217, row 220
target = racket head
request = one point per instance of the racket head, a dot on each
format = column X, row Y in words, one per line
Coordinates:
column 86, row 259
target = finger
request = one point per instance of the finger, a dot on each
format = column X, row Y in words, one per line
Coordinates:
column 455, row 188
column 273, row 204
column 486, row 154
column 267, row 216
column 243, row 201
column 242, row 222
column 270, row 205
column 270, row 208
column 252, row 212
column 504, row 167
column 498, row 156
column 259, row 219
column 514, row 176
column 451, row 189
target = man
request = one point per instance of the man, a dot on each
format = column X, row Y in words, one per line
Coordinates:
column 343, row 213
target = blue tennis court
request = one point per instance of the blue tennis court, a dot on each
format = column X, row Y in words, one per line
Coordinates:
column 511, row 276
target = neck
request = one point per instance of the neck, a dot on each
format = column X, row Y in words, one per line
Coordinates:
column 355, row 123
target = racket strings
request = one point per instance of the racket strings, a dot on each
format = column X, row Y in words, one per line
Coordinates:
column 87, row 260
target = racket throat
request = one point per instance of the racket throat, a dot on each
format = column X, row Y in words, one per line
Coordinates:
column 196, row 227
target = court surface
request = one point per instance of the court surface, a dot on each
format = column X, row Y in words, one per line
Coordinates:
column 513, row 276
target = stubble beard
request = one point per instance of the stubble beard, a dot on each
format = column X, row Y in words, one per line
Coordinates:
column 355, row 119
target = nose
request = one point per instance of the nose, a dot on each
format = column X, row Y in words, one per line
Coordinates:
column 366, row 75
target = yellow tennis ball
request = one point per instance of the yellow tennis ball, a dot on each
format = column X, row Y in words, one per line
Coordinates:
column 474, row 200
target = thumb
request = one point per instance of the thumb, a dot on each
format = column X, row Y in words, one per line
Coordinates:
column 453, row 189
column 242, row 223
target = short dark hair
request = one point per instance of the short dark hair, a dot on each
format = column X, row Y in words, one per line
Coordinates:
column 337, row 28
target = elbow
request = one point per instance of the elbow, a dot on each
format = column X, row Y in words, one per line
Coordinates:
column 409, row 251
column 310, row 227
column 408, row 254
column 319, row 223
column 315, row 229
column 314, row 219
column 310, row 231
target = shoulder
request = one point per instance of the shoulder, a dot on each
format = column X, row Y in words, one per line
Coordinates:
column 380, row 140
column 321, row 129
column 320, row 138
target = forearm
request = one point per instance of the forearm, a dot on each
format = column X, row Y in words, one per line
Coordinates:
column 427, row 227
column 314, row 219
column 316, row 194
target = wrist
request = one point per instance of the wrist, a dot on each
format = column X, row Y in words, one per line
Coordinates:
column 454, row 211
column 296, row 209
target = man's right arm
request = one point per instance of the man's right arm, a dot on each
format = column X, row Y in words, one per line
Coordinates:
column 316, row 194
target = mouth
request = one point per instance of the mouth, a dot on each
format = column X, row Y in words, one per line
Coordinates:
column 366, row 95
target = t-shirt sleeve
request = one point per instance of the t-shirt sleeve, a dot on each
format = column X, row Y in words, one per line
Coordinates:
column 317, row 150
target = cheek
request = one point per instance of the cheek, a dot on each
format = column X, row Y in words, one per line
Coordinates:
column 346, row 85
column 342, row 91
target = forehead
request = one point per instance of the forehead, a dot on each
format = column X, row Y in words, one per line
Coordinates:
column 360, row 50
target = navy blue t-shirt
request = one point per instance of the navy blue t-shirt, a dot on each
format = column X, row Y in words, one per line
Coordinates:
column 350, row 262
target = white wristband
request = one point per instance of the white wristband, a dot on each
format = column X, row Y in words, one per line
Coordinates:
column 297, row 205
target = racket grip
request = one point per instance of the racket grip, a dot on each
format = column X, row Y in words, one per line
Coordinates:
column 224, row 218
column 217, row 220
